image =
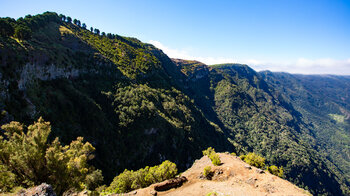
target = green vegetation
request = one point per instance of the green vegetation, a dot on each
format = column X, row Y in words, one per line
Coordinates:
column 22, row 32
column 278, row 171
column 28, row 159
column 215, row 158
column 130, row 180
column 338, row 118
column 140, row 108
column 253, row 160
column 206, row 171
column 322, row 103
column 213, row 193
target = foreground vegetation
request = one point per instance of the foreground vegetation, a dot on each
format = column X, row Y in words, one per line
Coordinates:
column 130, row 180
column 28, row 159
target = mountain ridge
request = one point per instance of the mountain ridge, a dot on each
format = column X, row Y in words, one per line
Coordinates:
column 121, row 94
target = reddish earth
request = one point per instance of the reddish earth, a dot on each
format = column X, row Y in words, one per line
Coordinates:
column 233, row 177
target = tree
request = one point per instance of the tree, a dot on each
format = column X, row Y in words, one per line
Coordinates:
column 22, row 32
column 97, row 31
column 62, row 17
column 75, row 21
column 103, row 34
column 28, row 157
column 69, row 19
column 83, row 25
column 91, row 29
column 6, row 28
column 78, row 23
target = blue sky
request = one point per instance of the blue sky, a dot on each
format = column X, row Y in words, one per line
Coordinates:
column 298, row 36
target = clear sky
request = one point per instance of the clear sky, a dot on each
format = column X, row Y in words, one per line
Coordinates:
column 298, row 36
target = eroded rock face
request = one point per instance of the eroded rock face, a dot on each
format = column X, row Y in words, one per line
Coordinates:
column 41, row 190
column 34, row 71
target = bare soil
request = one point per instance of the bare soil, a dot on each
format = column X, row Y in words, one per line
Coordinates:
column 233, row 177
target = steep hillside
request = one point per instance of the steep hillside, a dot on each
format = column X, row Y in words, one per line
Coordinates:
column 117, row 92
column 323, row 102
column 255, row 117
column 137, row 107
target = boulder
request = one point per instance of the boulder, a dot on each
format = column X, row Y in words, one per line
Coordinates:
column 260, row 171
column 169, row 184
column 41, row 190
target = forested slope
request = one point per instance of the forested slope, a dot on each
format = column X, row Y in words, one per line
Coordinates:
column 137, row 107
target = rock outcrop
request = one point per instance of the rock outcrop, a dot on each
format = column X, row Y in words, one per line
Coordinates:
column 41, row 190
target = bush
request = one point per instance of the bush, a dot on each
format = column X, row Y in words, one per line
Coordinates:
column 130, row 180
column 215, row 159
column 278, row 171
column 233, row 154
column 210, row 152
column 253, row 160
column 207, row 171
column 27, row 157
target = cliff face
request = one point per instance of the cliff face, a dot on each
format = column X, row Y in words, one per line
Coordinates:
column 139, row 107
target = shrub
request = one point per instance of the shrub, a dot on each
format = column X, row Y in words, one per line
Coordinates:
column 130, row 180
column 207, row 171
column 212, row 194
column 278, row 171
column 27, row 157
column 210, row 152
column 233, row 154
column 254, row 160
column 215, row 159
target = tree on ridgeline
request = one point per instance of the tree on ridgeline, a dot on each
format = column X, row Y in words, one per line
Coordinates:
column 97, row 31
column 6, row 29
column 62, row 17
column 69, row 19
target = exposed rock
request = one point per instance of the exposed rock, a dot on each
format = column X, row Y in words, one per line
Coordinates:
column 247, row 167
column 154, row 193
column 169, row 184
column 41, row 190
column 35, row 71
column 260, row 171
column 269, row 188
column 251, row 181
column 218, row 172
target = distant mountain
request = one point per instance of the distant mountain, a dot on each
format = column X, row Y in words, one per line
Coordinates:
column 139, row 107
